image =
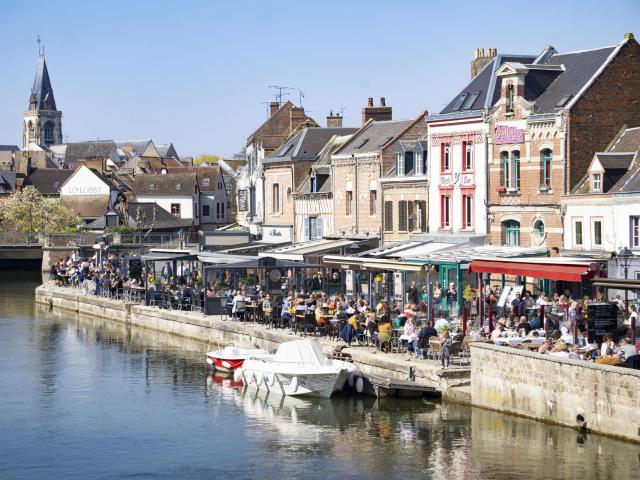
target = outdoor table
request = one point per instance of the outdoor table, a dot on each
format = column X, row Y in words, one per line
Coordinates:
column 511, row 341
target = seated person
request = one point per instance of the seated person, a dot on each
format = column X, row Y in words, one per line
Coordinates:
column 609, row 359
column 628, row 348
column 524, row 324
column 424, row 335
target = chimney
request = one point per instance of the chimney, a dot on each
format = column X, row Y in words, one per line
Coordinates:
column 334, row 121
column 296, row 117
column 273, row 108
column 378, row 114
column 481, row 58
column 628, row 36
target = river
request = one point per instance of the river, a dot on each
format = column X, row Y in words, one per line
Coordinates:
column 93, row 399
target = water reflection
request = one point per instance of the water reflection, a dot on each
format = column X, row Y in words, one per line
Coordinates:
column 90, row 398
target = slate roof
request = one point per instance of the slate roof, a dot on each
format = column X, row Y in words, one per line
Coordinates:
column 134, row 147
column 7, row 181
column 48, row 180
column 615, row 161
column 307, row 144
column 628, row 141
column 167, row 150
column 84, row 150
column 165, row 184
column 579, row 68
column 486, row 84
column 9, row 148
column 375, row 136
column 42, row 91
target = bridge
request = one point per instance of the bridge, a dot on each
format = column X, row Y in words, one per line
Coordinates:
column 33, row 251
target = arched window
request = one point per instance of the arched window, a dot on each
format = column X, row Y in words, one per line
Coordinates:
column 511, row 233
column 48, row 133
column 545, row 169
column 538, row 229
column 30, row 128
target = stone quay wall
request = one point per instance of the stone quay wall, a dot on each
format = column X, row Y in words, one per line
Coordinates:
column 574, row 393
column 218, row 332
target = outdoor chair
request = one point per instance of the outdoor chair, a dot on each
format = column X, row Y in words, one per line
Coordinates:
column 435, row 347
column 456, row 348
column 633, row 362
column 395, row 344
column 240, row 310
column 384, row 340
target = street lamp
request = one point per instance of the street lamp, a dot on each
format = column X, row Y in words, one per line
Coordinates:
column 623, row 259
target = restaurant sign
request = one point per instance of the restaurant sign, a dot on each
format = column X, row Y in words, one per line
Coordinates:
column 505, row 134
column 243, row 204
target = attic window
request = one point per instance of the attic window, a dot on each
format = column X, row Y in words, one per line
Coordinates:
column 362, row 143
column 206, row 182
column 472, row 99
column 460, row 100
column 563, row 101
column 386, row 140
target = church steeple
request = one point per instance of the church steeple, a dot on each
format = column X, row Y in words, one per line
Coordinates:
column 42, row 123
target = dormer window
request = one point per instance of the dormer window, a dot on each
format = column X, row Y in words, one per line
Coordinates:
column 313, row 184
column 596, row 182
column 510, row 98
column 206, row 182
column 400, row 164
column 419, row 164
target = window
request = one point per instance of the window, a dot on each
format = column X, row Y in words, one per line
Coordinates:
column 509, row 98
column 220, row 185
column 545, row 173
column 634, row 223
column 175, row 209
column 505, row 170
column 467, row 211
column 421, row 215
column 577, row 233
column 419, row 163
column 445, row 211
column 252, row 201
column 373, row 200
column 48, row 132
column 467, row 153
column 275, row 198
column 511, row 233
column 445, row 157
column 460, row 101
column 349, row 201
column 206, row 181
column 515, row 165
column 402, row 216
column 472, row 99
column 312, row 228
column 217, row 210
column 408, row 163
column 178, row 186
column 313, row 185
column 388, row 216
column 152, row 186
column 222, row 210
column 205, row 210
column 538, row 229
column 596, row 182
column 411, row 217
column 597, row 233
column 400, row 164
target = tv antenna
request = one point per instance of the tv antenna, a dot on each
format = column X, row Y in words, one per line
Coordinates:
column 280, row 90
column 301, row 95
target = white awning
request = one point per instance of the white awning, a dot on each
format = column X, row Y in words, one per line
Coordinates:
column 298, row 251
column 422, row 249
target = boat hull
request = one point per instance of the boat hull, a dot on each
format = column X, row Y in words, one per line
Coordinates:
column 310, row 384
column 224, row 364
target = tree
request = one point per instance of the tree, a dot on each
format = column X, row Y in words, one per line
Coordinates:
column 209, row 159
column 29, row 211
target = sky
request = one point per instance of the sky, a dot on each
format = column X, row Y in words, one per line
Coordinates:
column 197, row 73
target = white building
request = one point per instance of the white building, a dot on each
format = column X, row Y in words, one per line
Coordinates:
column 177, row 193
column 89, row 193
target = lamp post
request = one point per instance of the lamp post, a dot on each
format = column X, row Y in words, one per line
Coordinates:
column 623, row 259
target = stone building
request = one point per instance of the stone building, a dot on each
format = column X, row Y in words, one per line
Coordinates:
column 356, row 169
column 284, row 173
column 283, row 121
column 42, row 122
column 552, row 114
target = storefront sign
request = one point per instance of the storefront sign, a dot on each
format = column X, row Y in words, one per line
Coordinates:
column 276, row 234
column 467, row 180
column 243, row 204
column 505, row 134
column 445, row 181
column 603, row 320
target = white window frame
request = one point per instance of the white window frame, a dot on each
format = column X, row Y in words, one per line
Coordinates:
column 400, row 164
column 574, row 236
column 596, row 186
column 595, row 245
column 417, row 159
column 468, row 157
column 634, row 231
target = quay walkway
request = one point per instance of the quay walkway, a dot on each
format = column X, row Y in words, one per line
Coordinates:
column 390, row 371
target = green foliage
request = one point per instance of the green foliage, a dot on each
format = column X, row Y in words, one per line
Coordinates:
column 122, row 229
column 468, row 293
column 27, row 210
column 209, row 159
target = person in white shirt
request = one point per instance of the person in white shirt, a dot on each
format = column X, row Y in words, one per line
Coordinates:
column 497, row 332
column 628, row 348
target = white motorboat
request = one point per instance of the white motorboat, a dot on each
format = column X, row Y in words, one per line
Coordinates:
column 298, row 368
column 231, row 358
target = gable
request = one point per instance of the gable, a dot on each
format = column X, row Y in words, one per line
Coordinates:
column 84, row 182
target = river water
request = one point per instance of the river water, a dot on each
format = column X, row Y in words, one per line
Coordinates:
column 85, row 398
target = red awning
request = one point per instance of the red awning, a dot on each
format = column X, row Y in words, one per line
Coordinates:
column 569, row 273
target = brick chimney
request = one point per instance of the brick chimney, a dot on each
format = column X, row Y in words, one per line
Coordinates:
column 98, row 163
column 273, row 108
column 296, row 117
column 481, row 58
column 334, row 121
column 378, row 114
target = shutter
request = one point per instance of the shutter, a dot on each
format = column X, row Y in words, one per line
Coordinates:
column 388, row 216
column 423, row 216
column 319, row 227
column 306, row 228
column 402, row 216
column 410, row 216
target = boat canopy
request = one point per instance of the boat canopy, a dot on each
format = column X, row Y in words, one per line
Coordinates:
column 302, row 351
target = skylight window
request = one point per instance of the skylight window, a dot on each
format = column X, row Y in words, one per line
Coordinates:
column 460, row 100
column 472, row 99
column 362, row 142
column 563, row 101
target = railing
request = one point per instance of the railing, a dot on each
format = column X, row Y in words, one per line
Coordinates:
column 90, row 238
column 70, row 239
column 18, row 238
column 155, row 238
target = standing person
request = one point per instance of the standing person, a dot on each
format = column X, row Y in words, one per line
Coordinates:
column 437, row 298
column 412, row 293
column 452, row 299
column 445, row 349
column 518, row 306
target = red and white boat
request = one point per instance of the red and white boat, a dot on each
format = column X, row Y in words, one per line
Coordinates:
column 231, row 357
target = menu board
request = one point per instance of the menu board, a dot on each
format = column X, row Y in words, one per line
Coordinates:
column 242, row 201
column 603, row 320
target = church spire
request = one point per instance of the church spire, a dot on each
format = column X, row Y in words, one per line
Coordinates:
column 42, row 92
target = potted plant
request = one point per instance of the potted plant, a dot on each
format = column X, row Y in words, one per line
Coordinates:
column 501, row 189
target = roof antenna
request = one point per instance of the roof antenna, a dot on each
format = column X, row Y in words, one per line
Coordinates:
column 301, row 93
column 279, row 94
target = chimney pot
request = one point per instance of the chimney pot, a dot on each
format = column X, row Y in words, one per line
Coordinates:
column 273, row 108
column 382, row 102
column 628, row 36
column 370, row 103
